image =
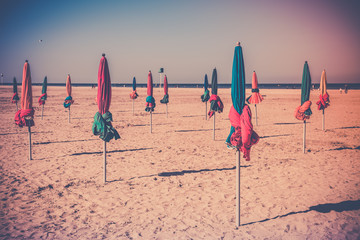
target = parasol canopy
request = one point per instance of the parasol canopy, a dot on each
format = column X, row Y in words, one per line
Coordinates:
column 216, row 104
column 324, row 101
column 206, row 96
column 68, row 100
column 303, row 111
column 102, row 120
column 15, row 96
column 25, row 116
column 150, row 100
column 166, row 96
column 133, row 94
column 241, row 136
column 255, row 97
column 43, row 95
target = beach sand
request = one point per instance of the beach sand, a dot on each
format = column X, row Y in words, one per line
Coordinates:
column 178, row 183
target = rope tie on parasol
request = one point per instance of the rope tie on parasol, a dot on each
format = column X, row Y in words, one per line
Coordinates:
column 102, row 126
column 68, row 101
column 150, row 104
column 25, row 117
column 255, row 98
column 323, row 102
column 15, row 98
column 244, row 136
column 206, row 96
column 302, row 111
column 134, row 95
column 165, row 99
column 42, row 99
column 216, row 105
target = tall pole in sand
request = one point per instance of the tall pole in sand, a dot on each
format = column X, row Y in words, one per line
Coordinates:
column 237, row 188
column 304, row 137
column 256, row 115
column 150, row 121
column 133, row 106
column 323, row 119
column 166, row 111
column 214, row 128
column 30, row 155
column 69, row 114
column 17, row 109
column 42, row 112
column 104, row 161
column 205, row 110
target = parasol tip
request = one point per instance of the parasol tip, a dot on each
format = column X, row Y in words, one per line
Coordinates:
column 103, row 54
column 238, row 44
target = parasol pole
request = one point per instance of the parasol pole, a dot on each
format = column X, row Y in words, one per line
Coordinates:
column 206, row 110
column 30, row 156
column 104, row 161
column 69, row 114
column 133, row 106
column 166, row 110
column 214, row 128
column 323, row 119
column 256, row 115
column 42, row 112
column 160, row 81
column 17, row 109
column 237, row 188
column 150, row 121
column 304, row 136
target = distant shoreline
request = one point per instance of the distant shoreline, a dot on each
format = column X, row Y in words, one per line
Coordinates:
column 227, row 85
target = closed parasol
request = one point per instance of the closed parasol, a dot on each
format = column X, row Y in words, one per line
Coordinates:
column 150, row 100
column 165, row 99
column 43, row 96
column 255, row 97
column 102, row 126
column 206, row 96
column 68, row 100
column 15, row 98
column 303, row 111
column 216, row 104
column 324, row 100
column 242, row 136
column 25, row 116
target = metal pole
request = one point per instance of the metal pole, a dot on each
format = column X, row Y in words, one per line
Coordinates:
column 104, row 161
column 133, row 106
column 30, row 156
column 150, row 121
column 237, row 188
column 160, row 81
column 323, row 119
column 256, row 115
column 17, row 109
column 166, row 110
column 214, row 128
column 69, row 114
column 304, row 136
column 42, row 112
column 205, row 110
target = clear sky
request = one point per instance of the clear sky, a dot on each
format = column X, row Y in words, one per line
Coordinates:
column 188, row 38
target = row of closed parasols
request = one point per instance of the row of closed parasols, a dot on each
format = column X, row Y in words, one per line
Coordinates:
column 241, row 136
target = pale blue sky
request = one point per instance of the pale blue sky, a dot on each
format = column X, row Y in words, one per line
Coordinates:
column 187, row 38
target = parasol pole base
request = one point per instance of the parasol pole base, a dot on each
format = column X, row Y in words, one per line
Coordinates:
column 214, row 128
column 205, row 110
column 256, row 115
column 150, row 121
column 323, row 119
column 166, row 110
column 30, row 154
column 42, row 112
column 133, row 106
column 304, row 137
column 104, row 161
column 69, row 114
column 237, row 188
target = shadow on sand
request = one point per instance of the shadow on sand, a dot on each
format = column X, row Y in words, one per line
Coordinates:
column 290, row 123
column 114, row 151
column 322, row 208
column 183, row 172
column 344, row 148
column 196, row 130
column 80, row 140
column 283, row 135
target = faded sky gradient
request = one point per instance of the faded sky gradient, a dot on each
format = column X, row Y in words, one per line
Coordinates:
column 187, row 38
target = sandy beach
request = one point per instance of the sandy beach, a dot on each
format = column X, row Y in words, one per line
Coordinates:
column 178, row 183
